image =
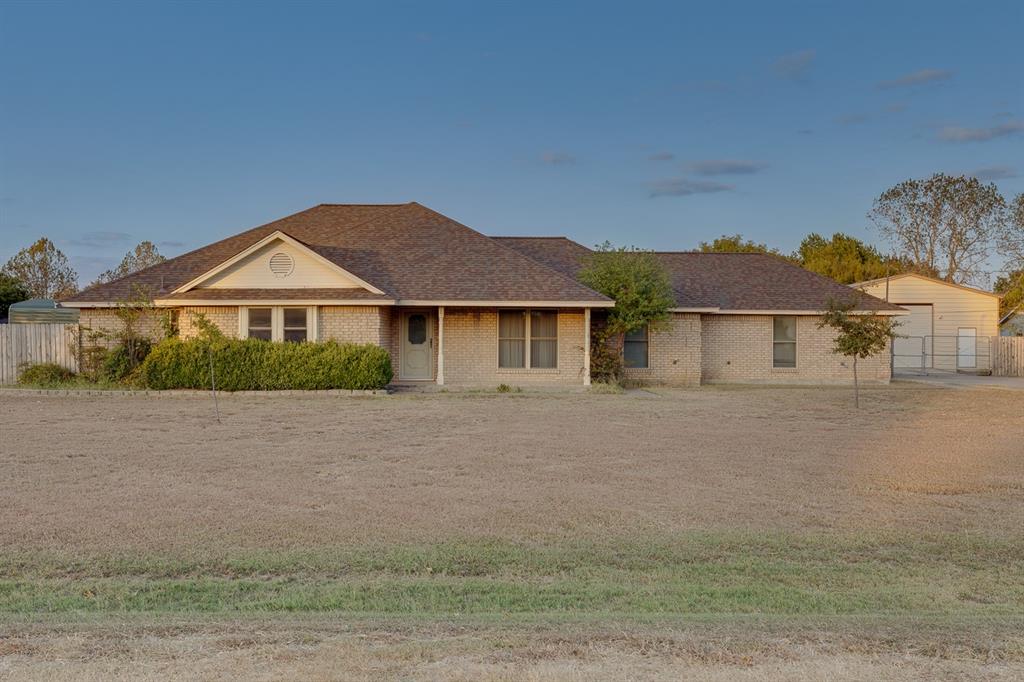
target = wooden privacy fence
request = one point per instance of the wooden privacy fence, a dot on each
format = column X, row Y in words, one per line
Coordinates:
column 32, row 343
column 1008, row 356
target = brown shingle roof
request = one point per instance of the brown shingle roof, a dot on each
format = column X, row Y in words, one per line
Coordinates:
column 277, row 295
column 719, row 281
column 407, row 250
column 754, row 281
column 558, row 253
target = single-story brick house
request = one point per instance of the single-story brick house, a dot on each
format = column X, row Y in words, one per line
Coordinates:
column 454, row 306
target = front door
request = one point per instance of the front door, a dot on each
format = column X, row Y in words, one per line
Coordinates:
column 966, row 348
column 417, row 362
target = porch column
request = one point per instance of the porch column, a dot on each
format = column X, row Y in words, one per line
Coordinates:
column 440, row 345
column 586, row 346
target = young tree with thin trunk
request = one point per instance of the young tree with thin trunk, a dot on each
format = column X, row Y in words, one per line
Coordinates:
column 946, row 224
column 858, row 335
column 44, row 270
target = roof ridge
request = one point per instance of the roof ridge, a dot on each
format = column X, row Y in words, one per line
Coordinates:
column 517, row 253
column 513, row 236
column 389, row 205
column 725, row 253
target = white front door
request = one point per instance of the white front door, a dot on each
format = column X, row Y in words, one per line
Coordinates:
column 417, row 362
column 966, row 348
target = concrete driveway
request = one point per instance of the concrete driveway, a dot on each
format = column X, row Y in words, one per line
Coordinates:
column 952, row 380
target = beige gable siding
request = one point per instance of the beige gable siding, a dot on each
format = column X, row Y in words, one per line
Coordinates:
column 952, row 309
column 253, row 272
column 738, row 349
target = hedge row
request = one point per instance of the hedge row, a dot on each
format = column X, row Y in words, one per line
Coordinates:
column 254, row 365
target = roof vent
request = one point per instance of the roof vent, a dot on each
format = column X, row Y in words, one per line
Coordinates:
column 281, row 264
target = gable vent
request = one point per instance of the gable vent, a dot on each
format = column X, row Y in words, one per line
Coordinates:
column 281, row 264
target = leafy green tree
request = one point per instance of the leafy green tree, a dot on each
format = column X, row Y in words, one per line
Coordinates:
column 847, row 259
column 735, row 243
column 1011, row 286
column 843, row 258
column 11, row 291
column 44, row 270
column 945, row 224
column 141, row 257
column 640, row 286
column 858, row 335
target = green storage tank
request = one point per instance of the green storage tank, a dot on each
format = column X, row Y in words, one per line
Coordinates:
column 41, row 311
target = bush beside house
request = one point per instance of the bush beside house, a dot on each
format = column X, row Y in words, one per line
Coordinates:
column 254, row 365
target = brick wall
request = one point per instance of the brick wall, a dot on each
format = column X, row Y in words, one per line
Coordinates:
column 471, row 350
column 738, row 349
column 673, row 353
column 355, row 324
column 98, row 324
column 224, row 318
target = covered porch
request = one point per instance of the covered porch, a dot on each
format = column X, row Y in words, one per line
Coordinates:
column 490, row 345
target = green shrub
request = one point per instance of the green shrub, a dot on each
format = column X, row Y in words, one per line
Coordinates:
column 120, row 361
column 254, row 365
column 45, row 374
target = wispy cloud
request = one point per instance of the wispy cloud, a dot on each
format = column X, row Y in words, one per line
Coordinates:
column 727, row 167
column 917, row 78
column 661, row 156
column 958, row 134
column 683, row 187
column 101, row 239
column 170, row 244
column 794, row 66
column 991, row 173
column 852, row 119
column 557, row 158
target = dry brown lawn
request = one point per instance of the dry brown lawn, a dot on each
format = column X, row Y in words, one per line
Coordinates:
column 160, row 473
column 85, row 476
column 322, row 650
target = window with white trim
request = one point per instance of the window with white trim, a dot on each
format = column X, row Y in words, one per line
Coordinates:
column 260, row 324
column 528, row 338
column 784, row 341
column 635, row 348
column 278, row 323
column 295, row 321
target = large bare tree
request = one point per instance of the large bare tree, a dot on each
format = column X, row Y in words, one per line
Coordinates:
column 947, row 224
column 44, row 270
column 1012, row 243
column 142, row 256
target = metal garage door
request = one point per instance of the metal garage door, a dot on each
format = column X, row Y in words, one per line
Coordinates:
column 915, row 350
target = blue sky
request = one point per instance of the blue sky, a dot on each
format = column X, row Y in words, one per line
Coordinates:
column 658, row 125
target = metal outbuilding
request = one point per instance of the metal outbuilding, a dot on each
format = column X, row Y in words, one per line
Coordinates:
column 41, row 311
